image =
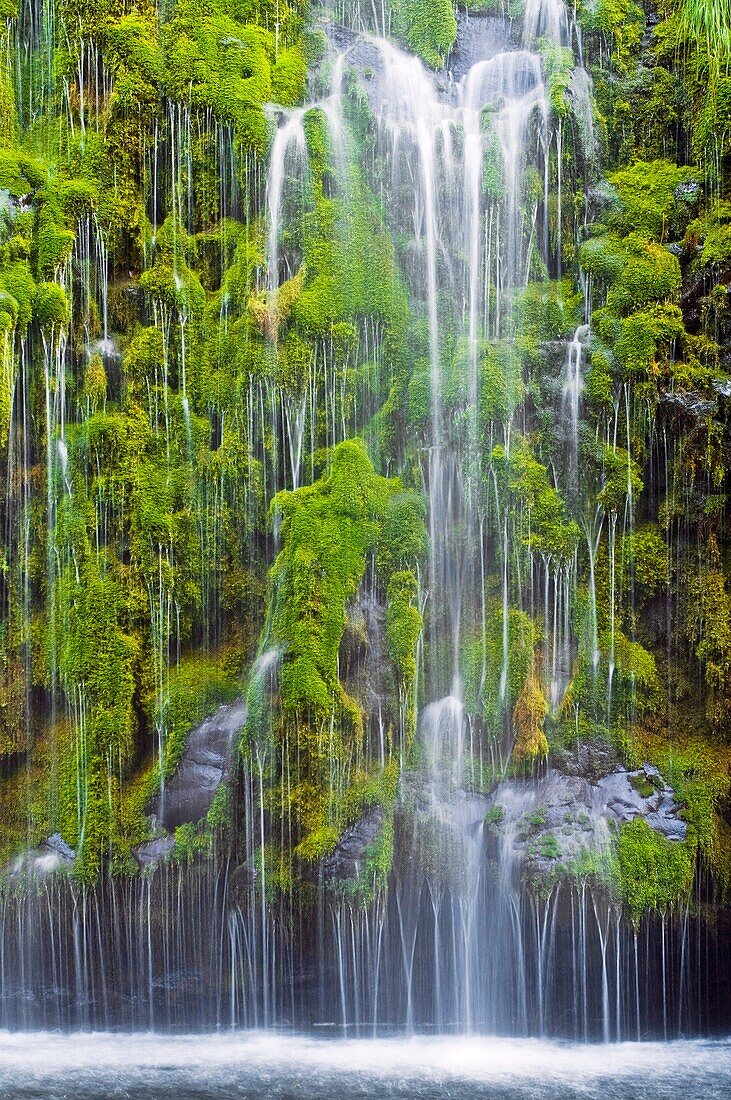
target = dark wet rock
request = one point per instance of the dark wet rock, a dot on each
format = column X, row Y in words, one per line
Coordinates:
column 348, row 858
column 643, row 793
column 691, row 405
column 203, row 767
column 154, row 851
column 591, row 760
column 56, row 843
column 563, row 819
column 722, row 386
column 241, row 880
column 52, row 854
column 691, row 300
column 364, row 660
column 479, row 37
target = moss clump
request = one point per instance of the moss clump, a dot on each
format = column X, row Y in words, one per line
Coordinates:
column 646, row 558
column 494, row 818
column 403, row 629
column 529, row 714
column 549, row 310
column 289, row 77
column 549, row 846
column 500, row 384
column 650, row 201
column 541, row 514
column 317, row 844
column 620, row 479
column 50, row 306
column 642, row 785
column 482, row 664
column 330, row 531
column 428, row 30
column 653, row 874
column 327, row 530
column 708, row 628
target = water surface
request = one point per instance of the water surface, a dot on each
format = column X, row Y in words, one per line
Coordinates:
column 92, row 1066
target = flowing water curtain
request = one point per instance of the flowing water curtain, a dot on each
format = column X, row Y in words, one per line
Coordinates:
column 238, row 293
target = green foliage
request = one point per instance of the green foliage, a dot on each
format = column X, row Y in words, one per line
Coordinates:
column 705, row 26
column 317, row 844
column 348, row 256
column 50, row 306
column 558, row 63
column 708, row 627
column 482, row 661
column 646, row 336
column 549, row 847
column 500, row 383
column 494, row 817
column 403, row 543
column 547, row 311
column 289, row 77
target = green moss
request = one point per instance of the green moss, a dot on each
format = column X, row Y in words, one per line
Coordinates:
column 646, row 558
column 621, row 479
column 500, row 383
column 549, row 847
column 428, row 30
column 289, row 77
column 189, row 843
column 20, row 174
column 403, row 625
column 402, row 543
column 653, row 874
column 348, row 255
column 494, row 818
column 327, row 530
column 547, row 311
column 318, row 844
column 649, row 199
column 648, row 336
column 642, row 785
column 558, row 64
column 482, row 661
column 50, row 306
column 544, row 522
column 17, row 283
column 707, row 607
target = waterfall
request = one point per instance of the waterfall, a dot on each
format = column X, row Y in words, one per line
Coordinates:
column 363, row 528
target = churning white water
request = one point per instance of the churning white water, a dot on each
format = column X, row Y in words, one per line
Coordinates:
column 257, row 1064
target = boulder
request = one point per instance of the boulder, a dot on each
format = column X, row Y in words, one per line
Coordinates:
column 204, row 765
column 52, row 854
column 562, row 819
column 154, row 851
column 347, row 859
